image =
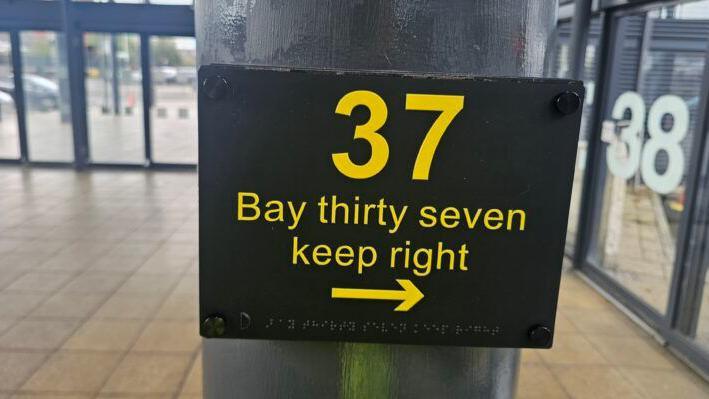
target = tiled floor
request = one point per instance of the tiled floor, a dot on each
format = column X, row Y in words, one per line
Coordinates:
column 98, row 299
column 98, row 284
column 600, row 353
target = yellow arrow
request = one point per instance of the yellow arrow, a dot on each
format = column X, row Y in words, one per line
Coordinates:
column 410, row 295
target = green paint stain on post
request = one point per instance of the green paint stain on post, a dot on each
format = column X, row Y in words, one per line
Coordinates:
column 367, row 371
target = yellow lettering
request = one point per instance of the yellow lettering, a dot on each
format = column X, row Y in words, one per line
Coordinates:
column 368, row 132
column 322, row 204
column 324, row 251
column 296, row 214
column 443, row 251
column 447, row 214
column 428, row 213
column 299, row 253
column 463, row 252
column 253, row 205
column 274, row 212
column 522, row 218
column 394, row 251
column 496, row 219
column 345, row 252
column 422, row 268
column 361, row 263
column 397, row 218
column 472, row 223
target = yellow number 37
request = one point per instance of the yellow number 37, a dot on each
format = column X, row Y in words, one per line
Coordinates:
column 448, row 106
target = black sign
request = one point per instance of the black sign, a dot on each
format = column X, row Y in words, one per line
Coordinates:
column 374, row 207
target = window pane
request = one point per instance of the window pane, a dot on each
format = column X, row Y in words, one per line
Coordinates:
column 46, row 89
column 655, row 91
column 9, row 137
column 114, row 97
column 174, row 109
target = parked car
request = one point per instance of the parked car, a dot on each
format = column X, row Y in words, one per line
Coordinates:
column 41, row 94
column 5, row 98
column 174, row 75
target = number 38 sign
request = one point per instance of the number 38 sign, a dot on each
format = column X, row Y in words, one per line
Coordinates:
column 642, row 155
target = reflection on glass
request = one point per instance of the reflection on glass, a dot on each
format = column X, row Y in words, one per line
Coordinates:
column 114, row 98
column 648, row 139
column 560, row 68
column 174, row 109
column 46, row 89
column 588, row 75
column 9, row 137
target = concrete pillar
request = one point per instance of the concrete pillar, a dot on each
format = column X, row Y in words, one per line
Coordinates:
column 482, row 37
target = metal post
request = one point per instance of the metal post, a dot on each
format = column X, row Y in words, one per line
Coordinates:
column 579, row 35
column 486, row 37
column 147, row 86
column 74, row 52
column 19, row 96
column 115, row 78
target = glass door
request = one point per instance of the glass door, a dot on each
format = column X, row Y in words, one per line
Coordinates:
column 173, row 112
column 46, row 92
column 648, row 139
column 648, row 239
column 114, row 98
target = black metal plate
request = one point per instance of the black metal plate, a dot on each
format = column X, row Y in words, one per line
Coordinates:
column 273, row 133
